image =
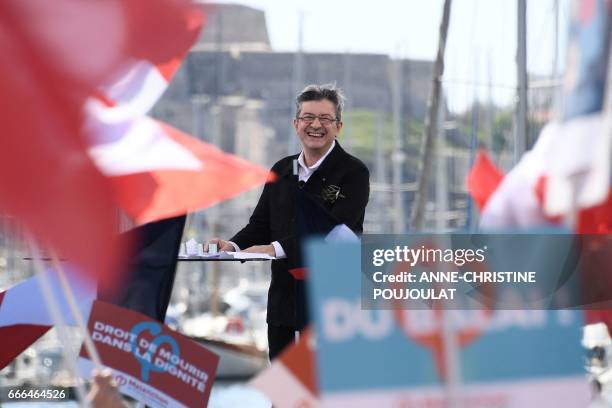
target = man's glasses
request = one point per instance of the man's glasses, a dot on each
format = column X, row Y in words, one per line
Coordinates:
column 325, row 120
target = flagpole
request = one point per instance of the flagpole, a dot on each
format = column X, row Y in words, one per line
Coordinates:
column 56, row 317
column 521, row 134
column 297, row 81
column 451, row 356
column 76, row 313
column 417, row 219
column 398, row 157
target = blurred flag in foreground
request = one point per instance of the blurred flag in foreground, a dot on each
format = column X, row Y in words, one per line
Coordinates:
column 156, row 171
column 47, row 180
column 162, row 172
column 81, row 78
column 567, row 173
column 61, row 54
column 566, row 176
column 295, row 370
column 24, row 316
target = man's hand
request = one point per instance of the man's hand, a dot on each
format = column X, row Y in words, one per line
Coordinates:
column 221, row 245
column 265, row 249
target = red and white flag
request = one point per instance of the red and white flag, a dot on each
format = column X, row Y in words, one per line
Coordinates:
column 159, row 34
column 82, row 76
column 566, row 176
column 25, row 317
column 155, row 170
column 555, row 179
column 515, row 203
column 51, row 64
column 291, row 379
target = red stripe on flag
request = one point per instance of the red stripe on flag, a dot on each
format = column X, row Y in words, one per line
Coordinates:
column 298, row 273
column 15, row 339
column 162, row 32
column 598, row 219
column 299, row 359
column 161, row 194
column 592, row 220
column 47, row 180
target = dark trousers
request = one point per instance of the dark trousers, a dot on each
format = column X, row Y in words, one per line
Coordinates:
column 279, row 337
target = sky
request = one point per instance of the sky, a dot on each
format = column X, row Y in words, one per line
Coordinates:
column 481, row 46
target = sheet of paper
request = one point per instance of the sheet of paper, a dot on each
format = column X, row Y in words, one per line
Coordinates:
column 207, row 255
column 200, row 254
column 226, row 255
column 250, row 255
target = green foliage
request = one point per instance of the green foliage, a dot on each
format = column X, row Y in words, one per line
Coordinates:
column 502, row 131
column 365, row 126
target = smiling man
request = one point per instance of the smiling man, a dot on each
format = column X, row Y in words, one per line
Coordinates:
column 332, row 177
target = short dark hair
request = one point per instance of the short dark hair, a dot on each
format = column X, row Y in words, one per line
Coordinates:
column 318, row 93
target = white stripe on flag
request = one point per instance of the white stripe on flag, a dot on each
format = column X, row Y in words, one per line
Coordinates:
column 579, row 159
column 140, row 146
column 291, row 393
column 136, row 88
column 514, row 204
column 24, row 303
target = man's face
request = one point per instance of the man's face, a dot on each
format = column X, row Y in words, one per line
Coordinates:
column 317, row 137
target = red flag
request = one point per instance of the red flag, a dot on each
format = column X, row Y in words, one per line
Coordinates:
column 47, row 180
column 62, row 54
column 155, row 170
column 159, row 35
column 163, row 172
column 483, row 179
column 66, row 57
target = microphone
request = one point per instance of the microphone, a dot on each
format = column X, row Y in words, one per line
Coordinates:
column 301, row 184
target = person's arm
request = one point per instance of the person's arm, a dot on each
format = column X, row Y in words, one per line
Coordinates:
column 279, row 252
column 274, row 249
column 257, row 231
column 288, row 245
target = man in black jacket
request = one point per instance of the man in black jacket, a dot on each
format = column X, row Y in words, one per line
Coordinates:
column 332, row 177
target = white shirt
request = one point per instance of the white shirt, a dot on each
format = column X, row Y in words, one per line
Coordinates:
column 304, row 173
